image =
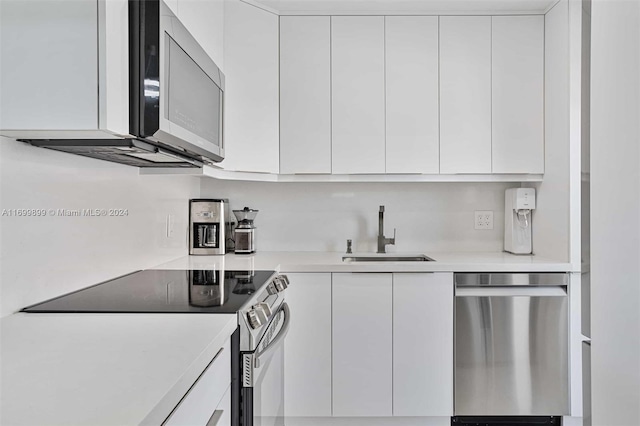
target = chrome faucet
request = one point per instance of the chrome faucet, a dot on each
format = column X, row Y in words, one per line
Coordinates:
column 382, row 241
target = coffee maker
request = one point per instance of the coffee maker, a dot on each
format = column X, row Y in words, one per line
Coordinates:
column 209, row 226
column 518, row 206
column 245, row 232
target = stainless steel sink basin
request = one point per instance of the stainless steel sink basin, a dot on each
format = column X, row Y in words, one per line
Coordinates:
column 388, row 258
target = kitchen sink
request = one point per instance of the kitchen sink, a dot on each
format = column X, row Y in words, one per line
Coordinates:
column 388, row 258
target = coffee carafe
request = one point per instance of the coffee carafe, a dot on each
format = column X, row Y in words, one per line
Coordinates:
column 245, row 231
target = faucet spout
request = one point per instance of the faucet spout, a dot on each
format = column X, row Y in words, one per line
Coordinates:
column 382, row 240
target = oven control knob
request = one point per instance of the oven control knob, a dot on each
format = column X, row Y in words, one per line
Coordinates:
column 271, row 289
column 260, row 312
column 265, row 308
column 285, row 279
column 281, row 282
column 254, row 319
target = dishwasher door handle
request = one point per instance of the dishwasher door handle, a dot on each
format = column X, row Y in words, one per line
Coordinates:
column 547, row 291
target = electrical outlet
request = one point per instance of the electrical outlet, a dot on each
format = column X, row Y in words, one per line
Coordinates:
column 484, row 219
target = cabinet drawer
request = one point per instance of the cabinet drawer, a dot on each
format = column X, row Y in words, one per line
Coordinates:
column 200, row 402
column 222, row 415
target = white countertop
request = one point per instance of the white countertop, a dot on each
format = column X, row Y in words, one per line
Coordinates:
column 103, row 369
column 332, row 262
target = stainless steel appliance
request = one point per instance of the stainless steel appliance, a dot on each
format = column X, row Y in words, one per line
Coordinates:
column 209, row 226
column 511, row 345
column 257, row 360
column 262, row 329
column 176, row 98
column 245, row 232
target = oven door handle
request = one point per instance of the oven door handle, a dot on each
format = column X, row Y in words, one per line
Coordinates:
column 275, row 343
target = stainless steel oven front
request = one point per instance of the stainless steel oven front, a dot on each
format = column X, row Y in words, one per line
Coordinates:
column 259, row 360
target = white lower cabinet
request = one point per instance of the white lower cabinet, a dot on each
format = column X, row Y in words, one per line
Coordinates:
column 222, row 414
column 307, row 374
column 423, row 344
column 362, row 344
column 370, row 345
column 205, row 403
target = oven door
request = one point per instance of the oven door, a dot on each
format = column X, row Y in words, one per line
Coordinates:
column 263, row 375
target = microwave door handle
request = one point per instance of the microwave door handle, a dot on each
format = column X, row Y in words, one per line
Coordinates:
column 275, row 343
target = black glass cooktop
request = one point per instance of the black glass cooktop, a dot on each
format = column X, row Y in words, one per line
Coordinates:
column 164, row 291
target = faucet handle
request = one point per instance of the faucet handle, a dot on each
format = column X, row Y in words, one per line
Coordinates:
column 349, row 247
column 393, row 240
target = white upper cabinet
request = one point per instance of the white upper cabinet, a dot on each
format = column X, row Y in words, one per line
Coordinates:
column 251, row 69
column 412, row 140
column 49, row 74
column 465, row 94
column 358, row 94
column 518, row 94
column 305, row 94
column 205, row 21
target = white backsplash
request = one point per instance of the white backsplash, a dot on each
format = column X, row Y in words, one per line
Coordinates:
column 322, row 216
column 43, row 257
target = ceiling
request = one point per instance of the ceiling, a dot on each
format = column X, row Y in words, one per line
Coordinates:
column 485, row 7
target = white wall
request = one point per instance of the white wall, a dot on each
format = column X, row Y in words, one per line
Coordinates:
column 322, row 216
column 43, row 257
column 615, row 212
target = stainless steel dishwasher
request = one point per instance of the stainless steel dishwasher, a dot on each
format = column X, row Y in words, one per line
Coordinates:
column 511, row 345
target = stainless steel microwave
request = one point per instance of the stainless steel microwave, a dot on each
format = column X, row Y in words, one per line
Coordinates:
column 176, row 90
column 176, row 98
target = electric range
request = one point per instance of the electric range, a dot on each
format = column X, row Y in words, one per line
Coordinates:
column 256, row 296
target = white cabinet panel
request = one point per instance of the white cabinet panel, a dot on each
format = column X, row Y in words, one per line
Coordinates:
column 173, row 5
column 205, row 21
column 422, row 344
column 307, row 374
column 362, row 345
column 305, row 94
column 197, row 406
column 358, row 104
column 49, row 67
column 412, row 139
column 251, row 67
column 465, row 94
column 518, row 94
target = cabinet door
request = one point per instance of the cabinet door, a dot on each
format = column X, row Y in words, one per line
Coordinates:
column 412, row 139
column 305, row 94
column 49, row 66
column 222, row 415
column 173, row 5
column 362, row 345
column 252, row 96
column 518, row 94
column 465, row 94
column 357, row 94
column 307, row 371
column 197, row 406
column 422, row 344
column 205, row 21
